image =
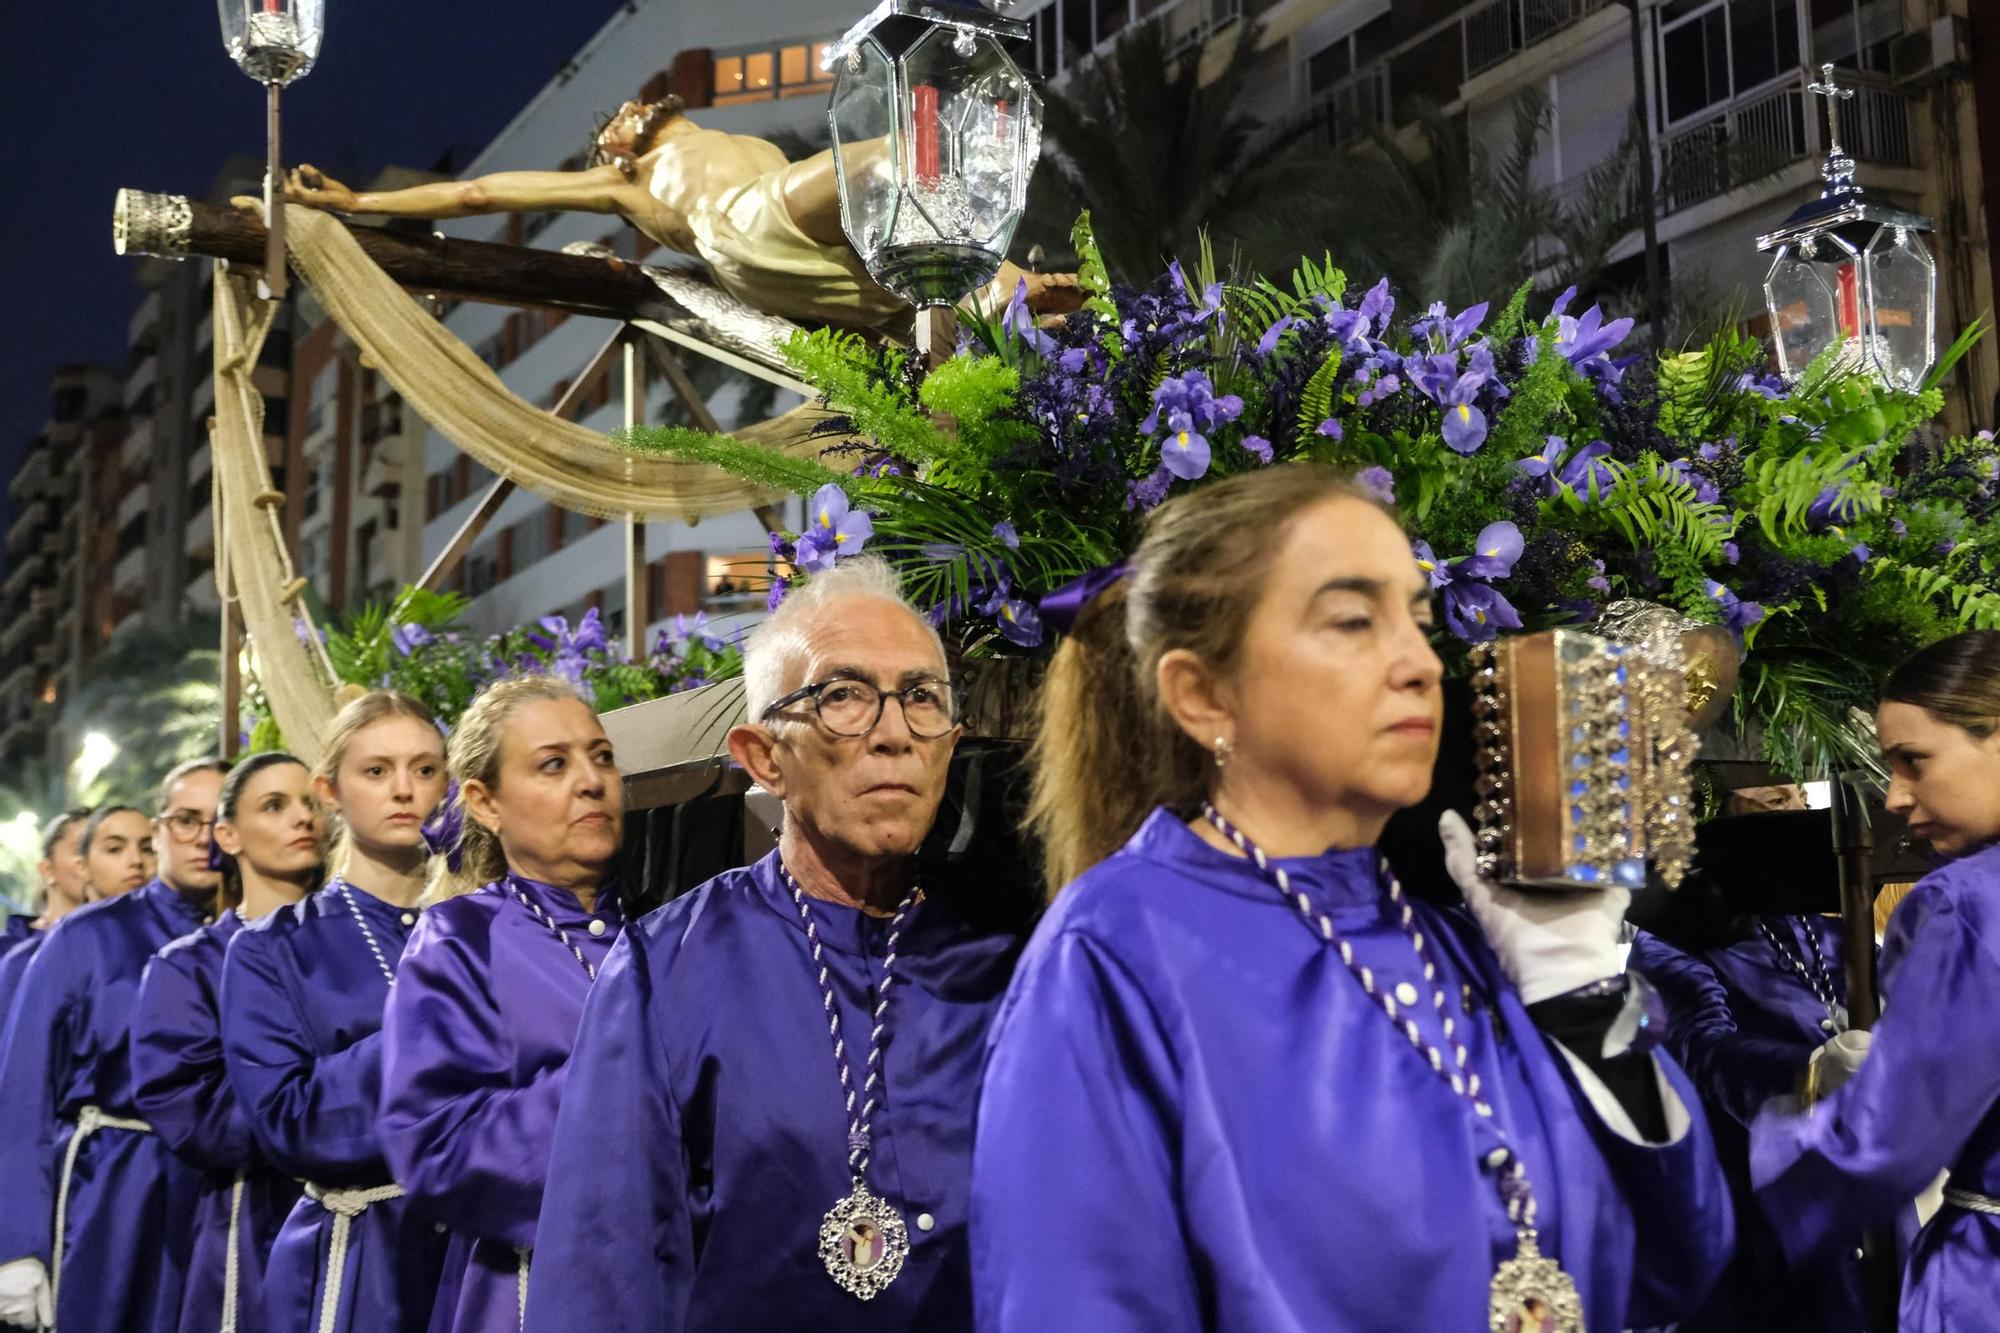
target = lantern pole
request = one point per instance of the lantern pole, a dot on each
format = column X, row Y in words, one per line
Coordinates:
column 273, row 281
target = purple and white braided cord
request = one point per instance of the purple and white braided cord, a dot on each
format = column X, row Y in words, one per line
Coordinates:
column 535, row 910
column 1818, row 977
column 1511, row 1176
column 858, row 1120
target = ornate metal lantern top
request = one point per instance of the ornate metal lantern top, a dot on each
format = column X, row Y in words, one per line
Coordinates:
column 1851, row 272
column 935, row 133
column 273, row 41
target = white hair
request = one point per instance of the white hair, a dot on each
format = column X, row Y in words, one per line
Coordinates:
column 780, row 640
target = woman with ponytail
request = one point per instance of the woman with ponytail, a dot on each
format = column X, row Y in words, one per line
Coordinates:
column 1241, row 1080
column 268, row 849
column 1885, row 1111
column 302, row 998
column 480, row 1028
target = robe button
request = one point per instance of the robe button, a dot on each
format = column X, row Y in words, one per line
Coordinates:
column 925, row 1221
column 409, row 918
column 1406, row 994
column 597, row 928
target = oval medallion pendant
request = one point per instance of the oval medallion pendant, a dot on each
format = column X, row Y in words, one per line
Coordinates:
column 1531, row 1294
column 863, row 1243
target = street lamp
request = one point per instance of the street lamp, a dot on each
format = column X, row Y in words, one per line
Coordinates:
column 93, row 757
column 274, row 42
column 1851, row 274
column 935, row 133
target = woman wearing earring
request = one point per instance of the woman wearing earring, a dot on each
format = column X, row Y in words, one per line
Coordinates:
column 267, row 839
column 302, row 998
column 481, row 1024
column 1875, row 1134
column 1241, row 1081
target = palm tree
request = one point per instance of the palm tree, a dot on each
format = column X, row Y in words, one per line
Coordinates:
column 157, row 695
column 1155, row 154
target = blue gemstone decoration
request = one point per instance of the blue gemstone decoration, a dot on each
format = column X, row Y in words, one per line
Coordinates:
column 1629, row 873
column 1623, row 757
column 1583, row 874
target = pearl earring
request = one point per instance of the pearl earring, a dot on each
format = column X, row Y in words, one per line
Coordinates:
column 1222, row 750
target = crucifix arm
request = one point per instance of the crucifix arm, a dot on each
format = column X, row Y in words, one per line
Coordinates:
column 596, row 190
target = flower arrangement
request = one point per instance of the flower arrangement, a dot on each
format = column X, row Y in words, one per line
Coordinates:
column 1541, row 473
column 416, row 644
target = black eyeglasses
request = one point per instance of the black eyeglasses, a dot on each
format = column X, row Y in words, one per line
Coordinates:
column 848, row 707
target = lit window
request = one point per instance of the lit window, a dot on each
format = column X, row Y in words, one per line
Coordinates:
column 792, row 66
column 757, row 71
column 737, row 580
column 728, row 75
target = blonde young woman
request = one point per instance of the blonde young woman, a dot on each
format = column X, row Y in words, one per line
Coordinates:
column 480, row 1027
column 1241, row 1080
column 302, row 998
column 90, row 1234
column 269, row 849
column 65, row 888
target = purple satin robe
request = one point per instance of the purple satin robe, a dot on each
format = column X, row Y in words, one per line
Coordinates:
column 475, row 1046
column 302, row 1000
column 1195, row 1118
column 1926, row 1098
column 14, row 959
column 182, row 1087
column 703, row 1137
column 65, row 1048
column 1743, row 1023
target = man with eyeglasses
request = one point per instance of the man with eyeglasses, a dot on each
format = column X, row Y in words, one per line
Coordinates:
column 768, row 1118
column 93, row 1208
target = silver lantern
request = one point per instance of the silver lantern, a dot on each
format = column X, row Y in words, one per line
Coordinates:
column 935, row 133
column 274, row 42
column 1851, row 275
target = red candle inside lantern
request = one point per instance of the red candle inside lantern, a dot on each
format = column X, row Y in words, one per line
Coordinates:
column 273, row 6
column 924, row 124
column 1850, row 301
column 1000, row 120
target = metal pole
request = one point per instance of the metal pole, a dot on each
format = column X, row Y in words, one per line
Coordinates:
column 273, row 281
column 636, row 614
column 1854, row 846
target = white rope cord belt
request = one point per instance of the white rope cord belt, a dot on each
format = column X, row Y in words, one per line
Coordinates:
column 523, row 1253
column 1971, row 1201
column 229, row 1262
column 345, row 1205
column 89, row 1120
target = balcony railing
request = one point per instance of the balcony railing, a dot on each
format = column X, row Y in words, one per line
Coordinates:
column 1504, row 28
column 1770, row 130
column 1189, row 23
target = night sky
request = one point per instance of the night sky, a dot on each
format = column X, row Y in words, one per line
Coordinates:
column 139, row 93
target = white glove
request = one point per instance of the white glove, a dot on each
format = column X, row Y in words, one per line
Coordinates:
column 25, row 1299
column 1549, row 942
column 1836, row 1061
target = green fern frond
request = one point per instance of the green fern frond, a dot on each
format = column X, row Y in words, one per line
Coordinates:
column 753, row 463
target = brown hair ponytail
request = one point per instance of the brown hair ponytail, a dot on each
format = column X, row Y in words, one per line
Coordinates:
column 1105, row 752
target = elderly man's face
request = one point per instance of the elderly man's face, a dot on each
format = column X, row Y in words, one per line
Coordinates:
column 874, row 795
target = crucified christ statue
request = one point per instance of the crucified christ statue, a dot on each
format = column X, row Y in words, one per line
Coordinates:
column 768, row 229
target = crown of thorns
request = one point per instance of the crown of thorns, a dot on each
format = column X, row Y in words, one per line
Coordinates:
column 652, row 117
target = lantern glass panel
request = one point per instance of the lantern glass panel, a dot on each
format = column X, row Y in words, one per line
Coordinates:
column 866, row 145
column 1803, row 296
column 273, row 41
column 969, row 113
column 1902, row 283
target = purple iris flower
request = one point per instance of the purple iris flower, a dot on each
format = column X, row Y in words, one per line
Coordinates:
column 1020, row 622
column 1862, row 553
column 779, row 587
column 408, row 638
column 1258, row 447
column 1769, row 387
column 1731, row 552
column 1008, row 537
column 835, row 530
column 1268, row 344
column 1445, row 332
column 1352, row 327
column 1464, row 424
column 1898, row 527
column 1378, row 482
column 1705, row 491
column 1597, row 582
column 1431, row 567
column 1185, row 450
column 1587, row 337
column 1737, row 614
column 1562, row 302
column 1831, row 508
column 1332, row 429
column 1017, row 321
column 1586, row 473
column 1544, row 464
column 1499, row 546
column 1476, row 612
column 697, row 631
